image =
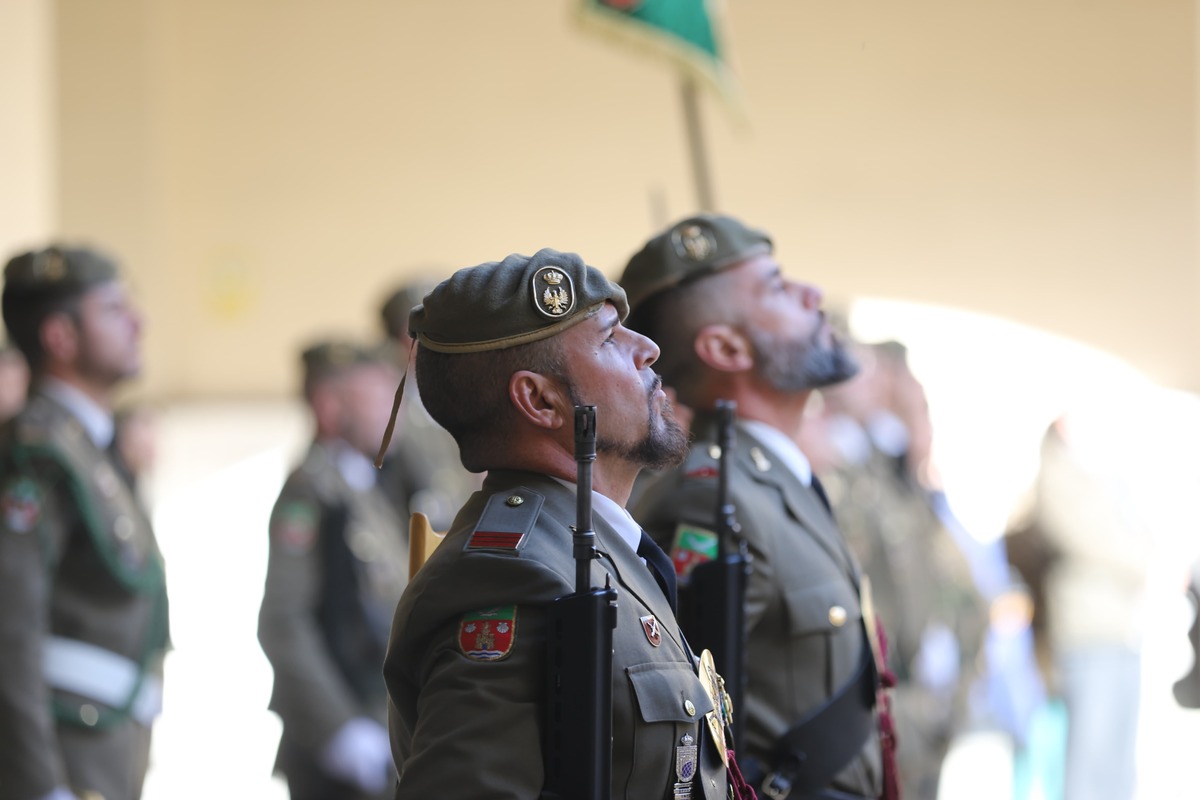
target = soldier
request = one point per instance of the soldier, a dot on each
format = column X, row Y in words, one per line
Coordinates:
column 83, row 605
column 732, row 327
column 338, row 561
column 921, row 580
column 422, row 472
column 506, row 350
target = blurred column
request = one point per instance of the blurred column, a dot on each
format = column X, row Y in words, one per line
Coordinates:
column 27, row 135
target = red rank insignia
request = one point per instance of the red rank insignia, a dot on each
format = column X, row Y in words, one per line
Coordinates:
column 702, row 472
column 488, row 635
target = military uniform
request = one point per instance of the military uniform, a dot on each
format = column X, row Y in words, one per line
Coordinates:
column 338, row 561
column 460, row 700
column 805, row 629
column 83, row 614
column 926, row 597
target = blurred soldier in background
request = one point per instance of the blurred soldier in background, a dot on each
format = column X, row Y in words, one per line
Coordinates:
column 421, row 472
column 1187, row 688
column 732, row 326
column 506, row 351
column 338, row 562
column 874, row 464
column 83, row 605
column 1085, row 506
column 14, row 381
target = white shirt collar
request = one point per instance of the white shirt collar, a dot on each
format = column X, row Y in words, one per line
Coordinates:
column 97, row 421
column 782, row 447
column 356, row 470
column 616, row 516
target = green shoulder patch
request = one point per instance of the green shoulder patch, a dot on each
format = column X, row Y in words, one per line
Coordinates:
column 692, row 545
column 294, row 526
column 21, row 504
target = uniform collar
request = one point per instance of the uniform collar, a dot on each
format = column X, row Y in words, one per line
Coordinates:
column 782, row 447
column 613, row 514
column 97, row 422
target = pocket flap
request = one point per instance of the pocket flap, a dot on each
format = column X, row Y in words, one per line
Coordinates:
column 665, row 690
column 822, row 608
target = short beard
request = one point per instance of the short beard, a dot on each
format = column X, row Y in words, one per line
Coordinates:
column 664, row 445
column 796, row 365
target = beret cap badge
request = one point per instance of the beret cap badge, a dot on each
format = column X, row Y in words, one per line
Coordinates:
column 553, row 292
column 693, row 241
column 49, row 265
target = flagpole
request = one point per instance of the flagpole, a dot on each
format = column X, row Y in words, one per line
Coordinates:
column 696, row 148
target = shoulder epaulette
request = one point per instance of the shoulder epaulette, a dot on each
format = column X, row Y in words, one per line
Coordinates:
column 507, row 520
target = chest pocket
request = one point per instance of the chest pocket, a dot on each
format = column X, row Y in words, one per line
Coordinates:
column 665, row 691
column 824, row 608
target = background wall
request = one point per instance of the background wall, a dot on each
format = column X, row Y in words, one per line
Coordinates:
column 267, row 170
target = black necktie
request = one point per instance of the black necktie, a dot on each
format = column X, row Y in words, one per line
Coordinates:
column 820, row 490
column 660, row 565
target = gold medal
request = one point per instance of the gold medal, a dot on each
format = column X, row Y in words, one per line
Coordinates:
column 714, row 687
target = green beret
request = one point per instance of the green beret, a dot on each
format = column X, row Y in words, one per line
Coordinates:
column 515, row 301
column 326, row 358
column 689, row 249
column 56, row 272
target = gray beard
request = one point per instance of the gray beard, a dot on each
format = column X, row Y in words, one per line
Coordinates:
column 796, row 365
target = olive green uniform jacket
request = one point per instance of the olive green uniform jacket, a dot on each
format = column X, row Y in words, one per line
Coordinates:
column 926, row 597
column 81, row 579
column 463, row 727
column 804, row 631
column 337, row 564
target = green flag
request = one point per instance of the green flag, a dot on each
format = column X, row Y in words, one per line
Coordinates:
column 685, row 31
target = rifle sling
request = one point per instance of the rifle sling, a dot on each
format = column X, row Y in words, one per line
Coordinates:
column 818, row 747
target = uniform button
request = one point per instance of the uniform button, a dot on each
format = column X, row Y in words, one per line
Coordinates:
column 515, row 500
column 714, row 451
column 689, row 707
column 123, row 528
column 88, row 714
column 837, row 616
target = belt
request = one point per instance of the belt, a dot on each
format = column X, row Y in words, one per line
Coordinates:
column 73, row 666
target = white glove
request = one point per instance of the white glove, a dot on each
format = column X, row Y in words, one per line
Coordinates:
column 359, row 754
column 937, row 661
column 59, row 793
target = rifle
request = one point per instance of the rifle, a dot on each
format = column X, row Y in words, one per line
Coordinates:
column 713, row 604
column 577, row 748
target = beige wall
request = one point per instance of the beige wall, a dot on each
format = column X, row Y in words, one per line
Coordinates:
column 267, row 169
column 27, row 130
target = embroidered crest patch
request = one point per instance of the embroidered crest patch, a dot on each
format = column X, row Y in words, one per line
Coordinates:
column 692, row 546
column 488, row 635
column 295, row 526
column 21, row 505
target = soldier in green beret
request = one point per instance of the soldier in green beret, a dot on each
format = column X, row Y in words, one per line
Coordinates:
column 732, row 326
column 83, row 605
column 505, row 352
column 337, row 563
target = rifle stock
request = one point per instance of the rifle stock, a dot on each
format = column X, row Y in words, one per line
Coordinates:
column 713, row 604
column 577, row 745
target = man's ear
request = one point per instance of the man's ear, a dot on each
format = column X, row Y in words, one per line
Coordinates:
column 724, row 348
column 538, row 398
column 60, row 338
